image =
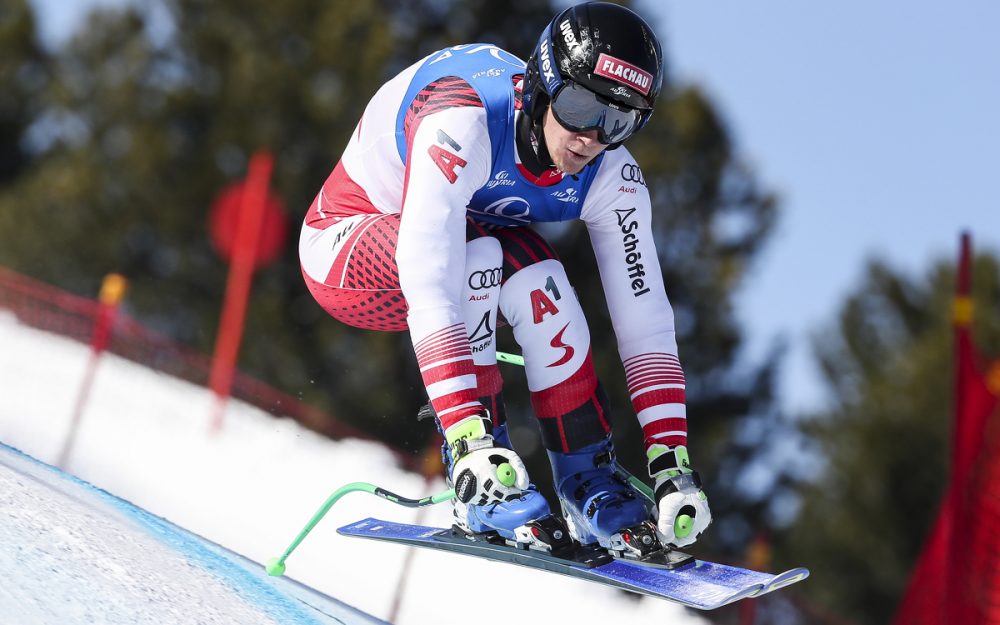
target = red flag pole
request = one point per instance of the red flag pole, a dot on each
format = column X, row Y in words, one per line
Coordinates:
column 969, row 421
column 932, row 587
column 965, row 434
column 248, row 229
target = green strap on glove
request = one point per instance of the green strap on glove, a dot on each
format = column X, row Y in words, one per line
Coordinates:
column 667, row 461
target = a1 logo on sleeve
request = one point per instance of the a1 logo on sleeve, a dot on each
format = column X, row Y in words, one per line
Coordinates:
column 448, row 162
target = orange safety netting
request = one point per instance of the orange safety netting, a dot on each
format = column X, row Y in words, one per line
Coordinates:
column 48, row 308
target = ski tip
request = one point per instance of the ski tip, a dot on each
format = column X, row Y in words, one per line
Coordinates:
column 275, row 567
column 784, row 579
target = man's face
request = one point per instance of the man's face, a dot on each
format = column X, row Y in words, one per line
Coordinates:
column 570, row 150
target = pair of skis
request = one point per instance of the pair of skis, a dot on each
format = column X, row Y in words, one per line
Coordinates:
column 665, row 574
column 674, row 576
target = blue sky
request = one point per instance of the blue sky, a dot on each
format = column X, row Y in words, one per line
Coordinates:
column 877, row 123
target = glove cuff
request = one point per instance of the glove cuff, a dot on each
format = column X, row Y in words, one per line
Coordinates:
column 470, row 434
column 690, row 482
column 665, row 462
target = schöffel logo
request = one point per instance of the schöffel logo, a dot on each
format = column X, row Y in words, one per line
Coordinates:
column 633, row 257
column 482, row 337
column 625, row 73
column 485, row 279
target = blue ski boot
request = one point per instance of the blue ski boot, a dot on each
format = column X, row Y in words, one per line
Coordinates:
column 489, row 498
column 600, row 505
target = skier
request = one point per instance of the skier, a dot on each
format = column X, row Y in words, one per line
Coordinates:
column 424, row 225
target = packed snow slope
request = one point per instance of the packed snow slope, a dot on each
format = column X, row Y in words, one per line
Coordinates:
column 145, row 437
column 76, row 554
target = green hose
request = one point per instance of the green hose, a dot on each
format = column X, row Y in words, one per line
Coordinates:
column 276, row 566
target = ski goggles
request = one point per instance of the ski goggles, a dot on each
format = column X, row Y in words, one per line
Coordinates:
column 579, row 109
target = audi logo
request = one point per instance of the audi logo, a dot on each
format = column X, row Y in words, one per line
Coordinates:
column 632, row 173
column 485, row 279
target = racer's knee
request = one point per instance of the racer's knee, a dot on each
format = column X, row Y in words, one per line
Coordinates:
column 549, row 325
column 552, row 331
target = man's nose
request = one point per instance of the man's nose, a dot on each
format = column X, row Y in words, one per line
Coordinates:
column 588, row 137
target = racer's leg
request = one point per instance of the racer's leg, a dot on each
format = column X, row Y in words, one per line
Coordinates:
column 350, row 269
column 549, row 325
column 572, row 408
column 480, row 305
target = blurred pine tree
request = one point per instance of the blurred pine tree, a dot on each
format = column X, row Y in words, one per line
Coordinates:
column 149, row 114
column 23, row 75
column 885, row 440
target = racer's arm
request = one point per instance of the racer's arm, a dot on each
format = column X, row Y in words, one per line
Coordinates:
column 618, row 217
column 448, row 159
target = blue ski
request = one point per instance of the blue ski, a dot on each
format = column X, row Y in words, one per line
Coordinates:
column 698, row 584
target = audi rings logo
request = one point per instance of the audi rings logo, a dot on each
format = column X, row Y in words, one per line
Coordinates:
column 632, row 173
column 488, row 279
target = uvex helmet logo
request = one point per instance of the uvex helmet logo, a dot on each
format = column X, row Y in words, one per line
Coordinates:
column 546, row 63
column 567, row 32
column 625, row 73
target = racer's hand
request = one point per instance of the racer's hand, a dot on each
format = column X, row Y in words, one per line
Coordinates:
column 482, row 471
column 682, row 506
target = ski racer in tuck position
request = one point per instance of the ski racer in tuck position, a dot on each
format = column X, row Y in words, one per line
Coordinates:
column 424, row 224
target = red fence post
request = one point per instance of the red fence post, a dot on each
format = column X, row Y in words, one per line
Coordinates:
column 112, row 290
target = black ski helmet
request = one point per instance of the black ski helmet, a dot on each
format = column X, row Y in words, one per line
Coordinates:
column 604, row 47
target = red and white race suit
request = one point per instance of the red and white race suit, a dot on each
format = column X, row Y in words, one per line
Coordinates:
column 424, row 224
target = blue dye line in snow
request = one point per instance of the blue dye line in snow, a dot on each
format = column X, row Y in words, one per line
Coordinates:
column 256, row 590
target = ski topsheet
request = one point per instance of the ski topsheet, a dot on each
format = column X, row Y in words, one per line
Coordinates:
column 702, row 585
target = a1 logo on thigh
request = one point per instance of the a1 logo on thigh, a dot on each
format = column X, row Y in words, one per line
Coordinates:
column 541, row 304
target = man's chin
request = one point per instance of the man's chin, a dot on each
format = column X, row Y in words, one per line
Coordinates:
column 570, row 167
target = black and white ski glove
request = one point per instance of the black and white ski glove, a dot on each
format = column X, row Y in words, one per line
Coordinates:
column 482, row 471
column 682, row 506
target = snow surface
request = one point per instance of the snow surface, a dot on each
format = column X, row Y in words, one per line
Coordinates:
column 251, row 487
column 66, row 539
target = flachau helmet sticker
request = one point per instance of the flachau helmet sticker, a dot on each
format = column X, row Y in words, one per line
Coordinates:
column 625, row 73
